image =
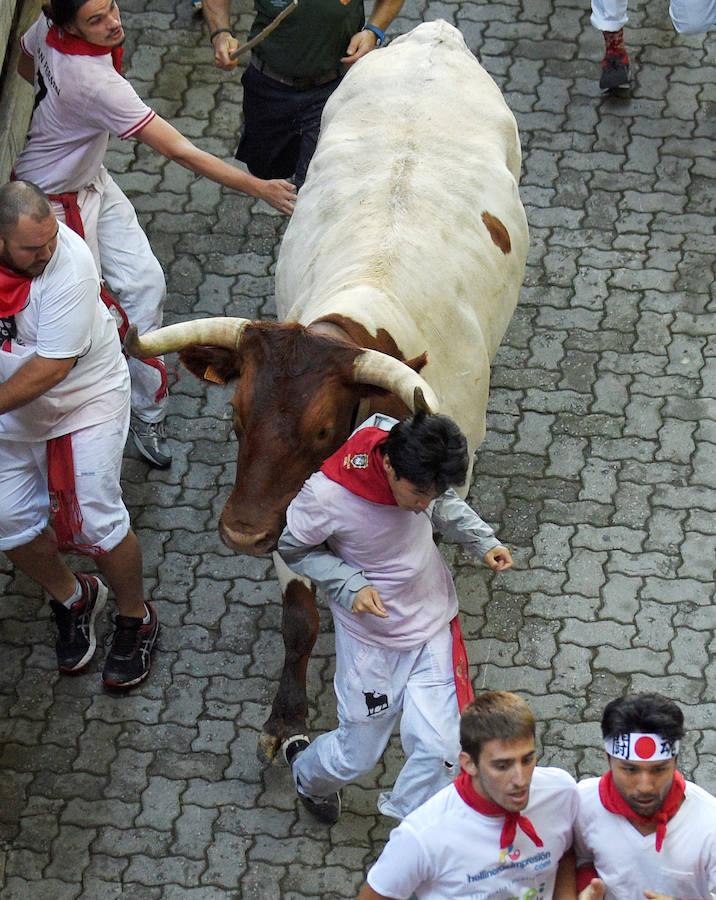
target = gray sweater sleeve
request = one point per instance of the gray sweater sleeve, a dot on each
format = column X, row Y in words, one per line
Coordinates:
column 338, row 581
column 460, row 524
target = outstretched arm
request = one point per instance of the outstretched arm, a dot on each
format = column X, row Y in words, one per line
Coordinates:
column 384, row 11
column 460, row 524
column 165, row 139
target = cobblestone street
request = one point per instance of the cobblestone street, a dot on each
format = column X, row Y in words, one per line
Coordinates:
column 599, row 471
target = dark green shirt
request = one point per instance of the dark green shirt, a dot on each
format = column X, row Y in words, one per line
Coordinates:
column 312, row 39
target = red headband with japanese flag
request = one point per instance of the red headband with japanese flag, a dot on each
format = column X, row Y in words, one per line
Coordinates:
column 637, row 747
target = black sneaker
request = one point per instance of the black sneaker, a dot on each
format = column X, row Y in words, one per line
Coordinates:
column 325, row 809
column 76, row 640
column 129, row 658
column 151, row 441
column 615, row 73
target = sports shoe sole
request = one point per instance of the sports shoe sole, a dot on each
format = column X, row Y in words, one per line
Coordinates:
column 125, row 685
column 99, row 604
column 146, row 454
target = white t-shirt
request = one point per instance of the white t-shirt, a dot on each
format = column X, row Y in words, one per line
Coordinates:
column 446, row 849
column 395, row 550
column 64, row 317
column 79, row 102
column 627, row 861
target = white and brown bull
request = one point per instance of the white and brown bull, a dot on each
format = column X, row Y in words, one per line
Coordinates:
column 396, row 280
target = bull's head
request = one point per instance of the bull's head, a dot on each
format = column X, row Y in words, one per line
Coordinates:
column 294, row 404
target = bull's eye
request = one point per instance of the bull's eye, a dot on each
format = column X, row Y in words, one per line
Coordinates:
column 322, row 434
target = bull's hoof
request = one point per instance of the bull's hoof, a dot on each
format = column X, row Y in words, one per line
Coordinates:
column 267, row 749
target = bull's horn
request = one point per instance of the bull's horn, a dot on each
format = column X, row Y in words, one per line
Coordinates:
column 217, row 332
column 373, row 367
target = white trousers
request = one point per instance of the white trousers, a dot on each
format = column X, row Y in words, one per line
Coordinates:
column 373, row 686
column 688, row 16
column 125, row 261
column 97, row 456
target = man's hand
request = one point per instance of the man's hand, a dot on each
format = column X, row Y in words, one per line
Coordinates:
column 368, row 600
column 652, row 895
column 223, row 45
column 498, row 559
column 595, row 890
column 280, row 194
column 359, row 45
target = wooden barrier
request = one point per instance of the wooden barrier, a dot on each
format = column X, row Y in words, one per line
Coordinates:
column 15, row 94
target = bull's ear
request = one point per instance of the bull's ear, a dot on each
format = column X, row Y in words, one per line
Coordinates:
column 213, row 364
column 417, row 362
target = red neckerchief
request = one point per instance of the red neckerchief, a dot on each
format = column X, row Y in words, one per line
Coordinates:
column 14, row 291
column 613, row 802
column 358, row 466
column 463, row 785
column 77, row 46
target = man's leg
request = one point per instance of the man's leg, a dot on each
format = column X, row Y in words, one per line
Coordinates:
column 693, row 16
column 31, row 546
column 136, row 279
column 269, row 141
column 122, row 569
column 369, row 682
column 429, row 730
column 610, row 16
column 97, row 453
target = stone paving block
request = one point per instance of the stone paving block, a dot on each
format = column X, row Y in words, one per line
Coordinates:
column 628, row 661
column 571, row 666
column 94, row 813
column 174, row 892
column 167, row 870
column 160, row 803
column 70, row 853
column 20, row 888
column 687, row 690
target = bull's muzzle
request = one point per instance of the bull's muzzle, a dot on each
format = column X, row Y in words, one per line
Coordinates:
column 249, row 543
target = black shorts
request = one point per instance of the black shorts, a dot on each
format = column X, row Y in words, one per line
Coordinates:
column 281, row 126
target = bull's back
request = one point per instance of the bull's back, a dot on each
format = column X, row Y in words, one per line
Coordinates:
column 410, row 219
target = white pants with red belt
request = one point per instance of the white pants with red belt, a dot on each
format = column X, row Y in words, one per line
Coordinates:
column 97, row 458
column 125, row 261
column 374, row 685
column 688, row 16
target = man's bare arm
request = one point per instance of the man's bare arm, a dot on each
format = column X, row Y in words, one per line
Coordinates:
column 26, row 67
column 216, row 16
column 367, row 893
column 384, row 11
column 165, row 139
column 35, row 378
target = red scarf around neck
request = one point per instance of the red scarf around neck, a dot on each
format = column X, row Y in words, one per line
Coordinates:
column 14, row 291
column 77, row 46
column 358, row 466
column 613, row 802
column 463, row 785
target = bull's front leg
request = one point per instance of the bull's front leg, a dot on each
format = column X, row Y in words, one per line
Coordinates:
column 299, row 627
